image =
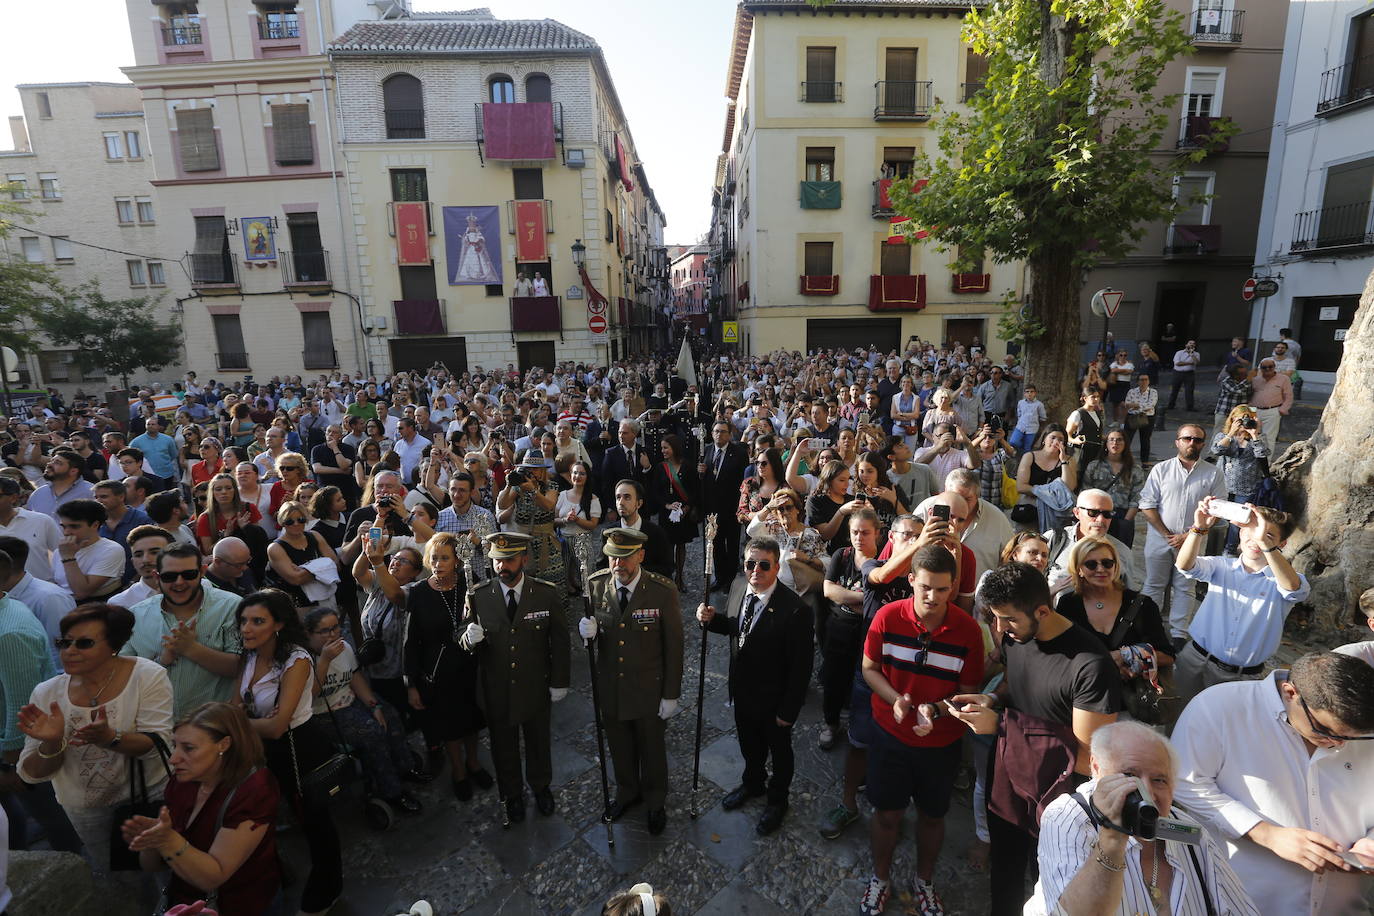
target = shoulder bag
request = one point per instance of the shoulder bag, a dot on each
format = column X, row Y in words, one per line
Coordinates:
column 318, row 785
column 373, row 647
column 122, row 858
column 1139, row 695
column 212, row 897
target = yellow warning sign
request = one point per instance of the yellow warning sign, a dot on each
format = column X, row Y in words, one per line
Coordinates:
column 729, row 332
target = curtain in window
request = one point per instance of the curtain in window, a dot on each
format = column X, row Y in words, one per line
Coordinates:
column 291, row 135
column 196, row 139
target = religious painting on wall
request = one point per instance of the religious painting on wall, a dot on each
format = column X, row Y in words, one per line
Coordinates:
column 259, row 241
column 472, row 241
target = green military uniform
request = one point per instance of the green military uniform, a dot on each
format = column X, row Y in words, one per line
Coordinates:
column 639, row 663
column 522, row 657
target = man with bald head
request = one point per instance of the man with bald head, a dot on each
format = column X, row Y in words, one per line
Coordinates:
column 948, row 531
column 986, row 527
column 228, row 568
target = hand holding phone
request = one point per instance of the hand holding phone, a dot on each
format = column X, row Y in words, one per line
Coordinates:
column 1231, row 511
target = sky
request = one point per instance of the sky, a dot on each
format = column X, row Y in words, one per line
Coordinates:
column 668, row 61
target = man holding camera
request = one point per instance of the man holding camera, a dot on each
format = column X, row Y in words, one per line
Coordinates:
column 1089, row 866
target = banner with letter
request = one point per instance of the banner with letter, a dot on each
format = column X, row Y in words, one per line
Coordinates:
column 412, row 234
column 531, row 243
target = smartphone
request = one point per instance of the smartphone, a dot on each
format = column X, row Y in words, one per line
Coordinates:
column 374, row 534
column 865, row 418
column 940, row 512
column 1353, row 861
column 815, row 444
column 1232, row 512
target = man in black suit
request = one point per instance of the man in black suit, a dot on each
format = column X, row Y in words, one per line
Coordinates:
column 722, row 472
column 629, row 505
column 626, row 460
column 771, row 627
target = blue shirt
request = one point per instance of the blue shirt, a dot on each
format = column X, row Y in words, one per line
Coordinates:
column 48, row 603
column 46, row 501
column 23, row 666
column 216, row 629
column 1241, row 619
column 161, row 452
column 1029, row 415
column 133, row 517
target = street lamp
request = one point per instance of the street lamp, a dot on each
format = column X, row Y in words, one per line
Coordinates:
column 579, row 254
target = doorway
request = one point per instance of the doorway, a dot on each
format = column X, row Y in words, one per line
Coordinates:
column 965, row 331
column 532, row 354
column 1179, row 304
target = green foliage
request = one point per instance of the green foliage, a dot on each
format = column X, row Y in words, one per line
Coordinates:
column 26, row 290
column 119, row 336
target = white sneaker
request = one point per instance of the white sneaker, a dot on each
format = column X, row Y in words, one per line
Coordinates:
column 875, row 897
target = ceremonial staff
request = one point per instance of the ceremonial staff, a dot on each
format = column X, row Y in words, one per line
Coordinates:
column 596, row 714
column 701, row 671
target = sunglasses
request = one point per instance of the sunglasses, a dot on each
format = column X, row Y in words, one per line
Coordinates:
column 84, row 643
column 764, row 565
column 185, row 575
column 1093, row 513
column 1192, row 439
column 1325, row 732
column 294, row 520
column 1106, row 563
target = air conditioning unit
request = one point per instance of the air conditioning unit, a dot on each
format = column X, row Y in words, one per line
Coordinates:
column 575, row 159
column 376, row 321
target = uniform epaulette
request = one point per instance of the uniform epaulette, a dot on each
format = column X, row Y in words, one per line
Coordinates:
column 600, row 573
column 543, row 582
column 660, row 578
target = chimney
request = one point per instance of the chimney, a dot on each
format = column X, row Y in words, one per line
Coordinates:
column 19, row 134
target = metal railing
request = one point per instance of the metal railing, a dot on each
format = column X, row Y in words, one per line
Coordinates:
column 213, row 268
column 225, row 361
column 1197, row 133
column 1343, row 226
column 1193, row 239
column 304, row 268
column 278, row 29
column 1346, row 84
column 405, row 123
column 557, row 124
column 816, row 91
column 1218, row 26
column 181, row 35
column 320, row 359
column 903, row 99
column 969, row 90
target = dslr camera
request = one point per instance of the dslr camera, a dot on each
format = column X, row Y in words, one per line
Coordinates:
column 516, row 478
column 1248, row 423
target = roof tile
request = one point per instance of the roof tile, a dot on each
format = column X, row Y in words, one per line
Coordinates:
column 485, row 36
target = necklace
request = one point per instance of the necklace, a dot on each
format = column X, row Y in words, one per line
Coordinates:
column 1155, row 893
column 95, row 697
column 450, row 605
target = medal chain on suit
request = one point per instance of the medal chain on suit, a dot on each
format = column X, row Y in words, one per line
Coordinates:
column 750, row 609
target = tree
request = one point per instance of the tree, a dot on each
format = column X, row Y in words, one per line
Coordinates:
column 26, row 290
column 1057, row 163
column 118, row 336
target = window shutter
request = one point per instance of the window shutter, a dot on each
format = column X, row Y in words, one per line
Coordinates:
column 196, row 135
column 291, row 134
column 210, row 235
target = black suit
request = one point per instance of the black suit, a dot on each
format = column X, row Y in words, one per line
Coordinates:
column 768, row 678
column 722, row 497
column 615, row 467
column 658, row 552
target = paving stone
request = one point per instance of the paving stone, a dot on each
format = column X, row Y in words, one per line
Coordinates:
column 568, row 879
column 737, row 899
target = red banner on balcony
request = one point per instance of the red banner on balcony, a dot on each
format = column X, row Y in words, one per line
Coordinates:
column 412, row 234
column 536, row 313
column 820, row 286
column 884, row 202
column 531, row 243
column 972, row 283
column 518, row 130
column 623, row 165
column 896, row 293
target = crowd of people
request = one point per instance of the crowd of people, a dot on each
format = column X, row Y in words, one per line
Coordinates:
column 213, row 614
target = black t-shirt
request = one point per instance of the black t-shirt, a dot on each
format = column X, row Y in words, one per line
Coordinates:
column 1147, row 627
column 366, row 517
column 93, row 463
column 875, row 596
column 820, row 509
column 1050, row 679
column 842, row 571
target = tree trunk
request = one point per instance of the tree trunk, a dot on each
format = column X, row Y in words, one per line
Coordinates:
column 1052, row 358
column 1328, row 483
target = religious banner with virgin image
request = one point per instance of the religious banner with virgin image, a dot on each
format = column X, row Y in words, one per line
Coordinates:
column 472, row 242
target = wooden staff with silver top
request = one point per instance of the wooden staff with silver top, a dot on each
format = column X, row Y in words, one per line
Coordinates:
column 710, row 567
column 596, row 713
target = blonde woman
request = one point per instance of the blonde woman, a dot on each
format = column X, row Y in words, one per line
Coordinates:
column 782, row 520
column 941, row 411
column 1100, row 602
column 293, row 550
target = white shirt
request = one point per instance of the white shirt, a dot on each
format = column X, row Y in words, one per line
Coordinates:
column 628, row 586
column 764, row 597
column 268, row 687
column 410, row 453
column 100, row 558
column 40, row 532
column 1241, row 619
column 506, row 592
column 1186, row 361
column 133, row 595
column 1364, row 650
column 1175, row 491
column 1240, row 762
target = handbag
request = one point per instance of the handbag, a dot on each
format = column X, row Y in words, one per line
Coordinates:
column 1025, row 514
column 122, row 858
column 372, row 649
column 331, row 777
column 1010, row 494
column 1137, row 421
column 212, row 897
column 1139, row 695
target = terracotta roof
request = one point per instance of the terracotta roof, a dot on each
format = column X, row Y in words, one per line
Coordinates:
column 462, row 36
column 852, row 4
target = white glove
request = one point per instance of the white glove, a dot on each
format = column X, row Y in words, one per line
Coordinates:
column 667, row 708
column 473, row 634
column 557, row 693
column 586, row 628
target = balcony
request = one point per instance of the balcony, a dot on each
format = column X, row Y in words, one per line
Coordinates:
column 903, row 100
column 820, row 285
column 173, row 35
column 896, row 293
column 405, row 123
column 419, row 316
column 970, row 283
column 1343, row 226
column 519, row 130
column 304, row 269
column 969, row 90
column 820, row 195
column 279, row 29
column 814, row 91
column 882, row 204
column 1197, row 133
column 214, row 272
column 1222, row 28
column 319, row 359
column 231, row 362
column 1193, row 240
column 1346, row 86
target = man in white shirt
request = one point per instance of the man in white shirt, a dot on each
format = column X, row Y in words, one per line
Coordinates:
column 1171, row 494
column 1364, row 650
column 390, row 424
column 86, row 564
column 1281, row 768
column 36, row 529
column 409, row 447
column 1185, row 373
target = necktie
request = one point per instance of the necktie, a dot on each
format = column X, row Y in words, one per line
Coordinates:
column 510, row 606
column 748, row 621
column 720, row 459
column 624, row 594
column 629, row 457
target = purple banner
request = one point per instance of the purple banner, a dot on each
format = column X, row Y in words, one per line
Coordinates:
column 472, row 240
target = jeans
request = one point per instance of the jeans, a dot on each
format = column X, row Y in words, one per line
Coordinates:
column 1185, row 380
column 1145, row 432
column 1021, row 441
column 384, row 751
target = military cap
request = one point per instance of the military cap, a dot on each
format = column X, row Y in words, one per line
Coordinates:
column 506, row 544
column 623, row 542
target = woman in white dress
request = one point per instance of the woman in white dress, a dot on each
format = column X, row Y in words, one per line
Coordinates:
column 474, row 262
column 578, row 513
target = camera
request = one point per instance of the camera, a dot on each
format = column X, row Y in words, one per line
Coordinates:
column 1249, row 423
column 1140, row 814
column 386, row 502
column 516, row 478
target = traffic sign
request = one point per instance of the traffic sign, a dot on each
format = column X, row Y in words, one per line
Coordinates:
column 596, row 324
column 1247, row 290
column 1107, row 301
column 596, row 306
column 729, row 332
column 1266, row 287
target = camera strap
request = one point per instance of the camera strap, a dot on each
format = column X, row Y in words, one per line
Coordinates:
column 1098, row 819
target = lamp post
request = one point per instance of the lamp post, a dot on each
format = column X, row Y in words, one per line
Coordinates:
column 579, row 254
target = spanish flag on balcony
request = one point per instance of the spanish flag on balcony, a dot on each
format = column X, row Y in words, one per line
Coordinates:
column 901, row 230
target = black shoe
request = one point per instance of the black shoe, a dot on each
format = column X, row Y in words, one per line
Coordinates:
column 417, row 776
column 618, row 807
column 771, row 820
column 482, row 778
column 543, row 801
column 463, row 789
column 738, row 797
column 406, row 804
column 658, row 819
column 515, row 809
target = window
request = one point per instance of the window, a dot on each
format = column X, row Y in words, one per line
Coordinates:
column 307, row 251
column 417, row 283
column 62, row 249
column 820, row 259
column 33, row 251
column 211, row 261
column 291, row 137
column 131, row 141
column 529, row 184
column 900, row 65
column 19, row 186
column 410, row 185
column 403, row 102
column 1192, row 192
column 1202, row 98
column 975, row 73
column 137, row 275
column 145, row 209
column 196, row 140
column 124, row 209
column 820, row 163
column 898, row 161
column 894, row 260
column 44, row 105
column 975, row 259
column 318, row 334
column 501, row 88
column 1361, row 56
column 230, row 352
column 899, row 94
column 610, row 226
column 48, row 187
column 114, row 144
column 279, row 21
column 538, row 88
column 156, row 275
column 820, row 83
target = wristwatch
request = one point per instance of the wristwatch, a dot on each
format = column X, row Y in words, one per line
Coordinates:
column 114, row 742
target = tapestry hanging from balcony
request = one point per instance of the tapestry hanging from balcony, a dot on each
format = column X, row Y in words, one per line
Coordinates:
column 820, row 195
column 820, row 286
column 472, row 244
column 896, row 293
column 518, row 130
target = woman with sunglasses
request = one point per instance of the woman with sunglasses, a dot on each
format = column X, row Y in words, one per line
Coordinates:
column 225, row 513
column 83, row 726
column 485, row 486
column 757, row 490
column 1118, row 474
column 275, row 691
column 211, row 455
column 291, row 472
column 293, row 550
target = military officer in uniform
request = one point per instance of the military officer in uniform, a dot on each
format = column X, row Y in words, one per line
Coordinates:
column 517, row 627
column 639, row 663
